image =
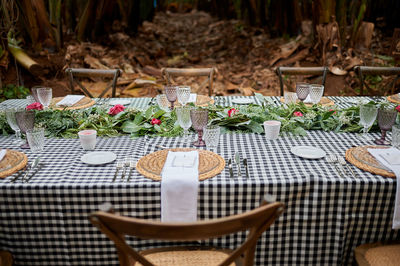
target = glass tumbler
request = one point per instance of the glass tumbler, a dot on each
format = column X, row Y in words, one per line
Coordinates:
column 290, row 97
column 316, row 92
column 35, row 139
column 211, row 136
column 396, row 136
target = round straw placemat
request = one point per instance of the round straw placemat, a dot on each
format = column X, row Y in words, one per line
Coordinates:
column 83, row 103
column 324, row 102
column 12, row 162
column 201, row 100
column 360, row 157
column 394, row 98
column 210, row 163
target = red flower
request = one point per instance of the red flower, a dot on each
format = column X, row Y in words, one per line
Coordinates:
column 155, row 121
column 232, row 112
column 330, row 110
column 298, row 114
column 116, row 109
column 398, row 108
column 35, row 106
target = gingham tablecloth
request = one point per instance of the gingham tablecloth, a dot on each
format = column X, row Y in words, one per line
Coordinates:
column 44, row 222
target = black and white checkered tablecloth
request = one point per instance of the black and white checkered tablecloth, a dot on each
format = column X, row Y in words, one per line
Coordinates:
column 44, row 222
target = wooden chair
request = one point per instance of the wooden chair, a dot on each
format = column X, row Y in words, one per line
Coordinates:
column 169, row 73
column 378, row 254
column 257, row 220
column 300, row 71
column 6, row 258
column 385, row 71
column 101, row 73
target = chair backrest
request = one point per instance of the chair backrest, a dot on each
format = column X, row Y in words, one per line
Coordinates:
column 85, row 72
column 384, row 71
column 257, row 220
column 300, row 71
column 169, row 73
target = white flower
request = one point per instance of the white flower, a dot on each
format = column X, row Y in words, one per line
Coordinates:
column 310, row 115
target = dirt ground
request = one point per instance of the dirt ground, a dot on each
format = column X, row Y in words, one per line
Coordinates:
column 245, row 57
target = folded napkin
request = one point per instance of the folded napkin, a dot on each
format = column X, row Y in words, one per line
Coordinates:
column 179, row 187
column 192, row 98
column 70, row 100
column 2, row 154
column 386, row 157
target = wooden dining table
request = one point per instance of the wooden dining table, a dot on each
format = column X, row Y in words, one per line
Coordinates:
column 45, row 221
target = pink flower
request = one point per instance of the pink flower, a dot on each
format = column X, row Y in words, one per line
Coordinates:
column 155, row 121
column 116, row 109
column 330, row 110
column 232, row 112
column 398, row 108
column 298, row 114
column 35, row 106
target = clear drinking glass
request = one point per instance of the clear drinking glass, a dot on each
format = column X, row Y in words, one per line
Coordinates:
column 396, row 136
column 199, row 119
column 302, row 90
column 386, row 119
column 316, row 92
column 290, row 97
column 211, row 136
column 25, row 122
column 45, row 95
column 183, row 94
column 368, row 115
column 171, row 93
column 35, row 139
column 184, row 120
column 12, row 121
column 163, row 102
column 30, row 99
column 35, row 94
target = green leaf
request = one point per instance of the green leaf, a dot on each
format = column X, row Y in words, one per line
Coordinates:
column 255, row 127
column 138, row 119
column 130, row 127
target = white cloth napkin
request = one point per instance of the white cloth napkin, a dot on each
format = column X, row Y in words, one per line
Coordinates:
column 385, row 156
column 179, row 187
column 2, row 154
column 70, row 100
column 192, row 98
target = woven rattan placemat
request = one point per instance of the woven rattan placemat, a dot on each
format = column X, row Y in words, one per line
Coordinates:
column 394, row 98
column 83, row 103
column 324, row 101
column 12, row 162
column 210, row 163
column 201, row 100
column 360, row 157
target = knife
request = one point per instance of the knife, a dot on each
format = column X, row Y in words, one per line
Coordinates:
column 246, row 167
column 237, row 160
column 39, row 166
column 33, row 165
column 230, row 167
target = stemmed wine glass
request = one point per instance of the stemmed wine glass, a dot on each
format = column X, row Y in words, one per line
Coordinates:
column 199, row 119
column 316, row 92
column 12, row 121
column 183, row 94
column 35, row 94
column 302, row 90
column 162, row 102
column 386, row 119
column 25, row 121
column 184, row 120
column 368, row 115
column 45, row 95
column 170, row 92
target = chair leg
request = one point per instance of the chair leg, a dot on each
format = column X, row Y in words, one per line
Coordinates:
column 6, row 258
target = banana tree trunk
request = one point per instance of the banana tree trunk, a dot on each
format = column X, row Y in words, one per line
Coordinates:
column 23, row 59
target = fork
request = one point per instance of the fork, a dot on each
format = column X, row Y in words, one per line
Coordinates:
column 126, row 165
column 333, row 160
column 132, row 165
column 119, row 166
column 342, row 162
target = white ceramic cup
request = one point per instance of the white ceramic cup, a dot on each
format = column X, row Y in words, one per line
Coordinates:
column 88, row 139
column 271, row 129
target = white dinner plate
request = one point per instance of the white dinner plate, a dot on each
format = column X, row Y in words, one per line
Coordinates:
column 119, row 101
column 308, row 152
column 242, row 100
column 98, row 157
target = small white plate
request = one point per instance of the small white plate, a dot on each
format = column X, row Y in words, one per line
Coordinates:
column 119, row 101
column 242, row 100
column 98, row 157
column 308, row 152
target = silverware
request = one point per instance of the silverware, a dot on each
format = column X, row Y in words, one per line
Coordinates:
column 161, row 147
column 33, row 165
column 118, row 167
column 237, row 161
column 126, row 165
column 333, row 160
column 246, row 167
column 132, row 165
column 230, row 167
column 19, row 174
column 39, row 166
column 342, row 162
